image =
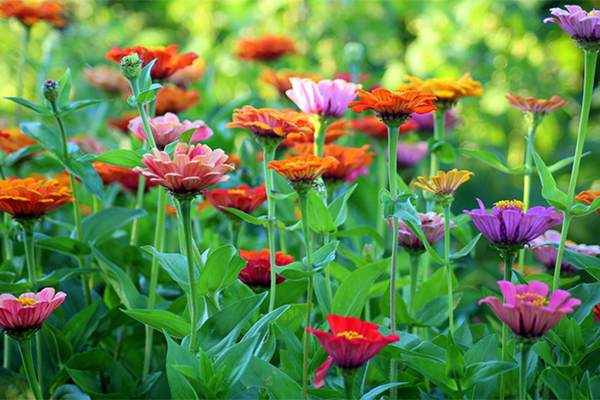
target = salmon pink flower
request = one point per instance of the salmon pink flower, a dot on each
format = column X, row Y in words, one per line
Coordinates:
column 22, row 317
column 326, row 98
column 167, row 62
column 409, row 154
column 168, row 128
column 257, row 272
column 583, row 26
column 373, row 127
column 172, row 99
column 265, row 48
column 536, row 106
column 183, row 77
column 30, row 13
column 352, row 344
column 547, row 254
column 432, row 225
column 302, row 172
column 241, row 198
column 527, row 310
column 192, row 169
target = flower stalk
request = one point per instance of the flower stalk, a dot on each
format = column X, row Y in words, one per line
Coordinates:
column 349, row 375
column 525, row 347
column 25, row 349
column 448, row 268
column 509, row 261
column 533, row 124
column 269, row 155
column 414, row 276
column 186, row 218
column 439, row 120
column 30, row 254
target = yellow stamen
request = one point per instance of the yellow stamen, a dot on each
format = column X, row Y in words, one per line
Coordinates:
column 27, row 301
column 592, row 14
column 351, row 335
column 236, row 191
column 536, row 299
column 510, row 204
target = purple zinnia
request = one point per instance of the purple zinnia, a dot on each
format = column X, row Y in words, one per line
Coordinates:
column 584, row 27
column 509, row 228
column 546, row 254
column 527, row 309
column 432, row 225
column 325, row 98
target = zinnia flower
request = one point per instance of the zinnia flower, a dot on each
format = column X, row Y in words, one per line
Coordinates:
column 326, row 98
column 536, row 106
column 258, row 269
column 432, row 225
column 373, row 127
column 22, row 317
column 426, row 121
column 167, row 62
column 588, row 197
column 265, row 48
column 241, row 198
column 527, row 309
column 547, row 254
column 168, row 128
column 302, row 172
column 89, row 144
column 122, row 122
column 393, row 109
column 597, row 312
column 30, row 13
column 27, row 200
column 448, row 91
column 339, row 128
column 183, row 77
column 444, row 184
column 280, row 80
column 172, row 99
column 111, row 173
column 352, row 344
column 106, row 78
column 409, row 154
column 509, row 228
column 192, row 169
column 583, row 26
column 13, row 140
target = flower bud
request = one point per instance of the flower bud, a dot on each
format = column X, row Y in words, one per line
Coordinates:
column 131, row 66
column 354, row 52
column 51, row 90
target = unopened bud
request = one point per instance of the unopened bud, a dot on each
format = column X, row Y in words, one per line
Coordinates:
column 354, row 52
column 131, row 66
column 51, row 90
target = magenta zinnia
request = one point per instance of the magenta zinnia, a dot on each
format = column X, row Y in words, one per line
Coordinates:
column 527, row 309
column 325, row 98
column 583, row 26
column 432, row 226
column 546, row 254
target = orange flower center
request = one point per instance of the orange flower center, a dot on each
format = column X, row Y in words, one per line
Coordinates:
column 27, row 301
column 536, row 299
column 510, row 205
column 351, row 335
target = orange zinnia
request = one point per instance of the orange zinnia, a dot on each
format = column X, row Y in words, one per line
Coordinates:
column 175, row 100
column 122, row 122
column 448, row 91
column 110, row 173
column 191, row 74
column 265, row 48
column 373, row 127
column 339, row 128
column 280, row 80
column 588, row 197
column 302, row 172
column 167, row 61
column 445, row 182
column 27, row 200
column 536, row 106
column 241, row 198
column 394, row 108
column 31, row 13
column 12, row 140
column 352, row 161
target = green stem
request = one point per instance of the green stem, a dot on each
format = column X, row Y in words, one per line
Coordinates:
column 61, row 127
column 523, row 371
column 588, row 88
column 233, row 230
column 349, row 376
column 439, row 121
column 527, row 178
column 448, row 268
column 21, row 70
column 269, row 155
column 6, row 354
column 414, row 276
column 139, row 202
column 149, row 134
column 307, row 249
column 509, row 261
column 319, row 140
column 25, row 349
column 186, row 217
column 382, row 179
column 40, row 370
column 327, row 271
column 30, row 254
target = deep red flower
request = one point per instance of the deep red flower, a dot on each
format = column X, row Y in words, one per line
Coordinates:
column 167, row 61
column 258, row 269
column 241, row 198
column 352, row 344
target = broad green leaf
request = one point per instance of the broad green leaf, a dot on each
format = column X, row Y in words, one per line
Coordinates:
column 402, row 314
column 162, row 320
column 584, row 209
column 106, row 221
column 550, row 191
column 444, row 150
column 78, row 105
column 247, row 217
column 44, row 136
column 121, row 158
column 65, row 89
column 374, row 393
column 14, row 386
column 435, row 287
column 564, row 162
column 589, row 294
column 467, row 249
column 58, row 344
column 277, row 383
column 493, row 160
column 86, row 172
column 179, row 356
column 69, row 392
column 558, row 383
column 222, row 268
column 19, row 154
column 435, row 311
column 323, row 256
column 339, row 207
column 40, row 109
column 145, row 78
column 582, row 261
column 486, row 370
column 64, row 245
column 82, row 325
column 176, row 266
column 231, row 365
column 294, row 271
column 319, row 218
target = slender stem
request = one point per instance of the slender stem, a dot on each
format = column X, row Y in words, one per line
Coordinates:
column 349, row 376
column 319, row 141
column 307, row 249
column 61, row 126
column 439, row 120
column 139, row 202
column 588, row 87
column 21, row 70
column 414, row 276
column 527, row 179
column 509, row 261
column 25, row 349
column 382, row 179
column 29, row 242
column 282, row 245
column 186, row 217
column 448, row 268
column 149, row 134
column 6, row 354
column 269, row 155
column 327, row 272
column 523, row 371
column 233, row 230
column 40, row 364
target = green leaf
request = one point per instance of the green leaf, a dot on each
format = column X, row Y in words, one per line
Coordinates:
column 444, row 150
column 584, row 209
column 145, row 78
column 222, row 268
column 64, row 245
column 277, row 383
column 121, row 158
column 550, row 191
column 433, row 288
column 323, row 256
column 493, row 160
column 162, row 320
column 564, row 162
column 58, row 344
column 294, row 271
column 231, row 365
column 85, row 171
column 581, row 261
column 558, row 383
column 589, row 294
column 361, row 231
column 82, row 325
column 69, row 392
column 44, row 136
column 19, row 154
column 319, row 218
column 78, row 105
column 374, row 393
column 179, row 356
column 338, row 208
column 467, row 249
column 352, row 294
column 14, row 386
column 247, row 217
column 40, row 109
column 106, row 221
column 65, row 89
column 435, row 311
column 176, row 266
column 146, row 97
column 486, row 370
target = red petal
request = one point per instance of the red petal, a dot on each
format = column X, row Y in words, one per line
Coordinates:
column 321, row 373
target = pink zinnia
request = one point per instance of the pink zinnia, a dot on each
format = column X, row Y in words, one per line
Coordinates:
column 168, row 128
column 584, row 27
column 409, row 154
column 326, row 98
column 192, row 169
column 527, row 310
column 546, row 254
column 432, row 226
column 20, row 317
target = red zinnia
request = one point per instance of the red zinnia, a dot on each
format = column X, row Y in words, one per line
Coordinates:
column 353, row 343
column 258, row 270
column 241, row 198
column 265, row 48
column 31, row 13
column 167, row 61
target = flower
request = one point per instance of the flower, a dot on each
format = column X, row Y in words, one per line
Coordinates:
column 172, row 99
column 394, row 108
column 241, row 198
column 30, row 13
column 27, row 200
column 373, row 127
column 110, row 173
column 583, row 26
column 13, row 140
column 448, row 91
column 426, row 121
column 192, row 169
column 597, row 312
column 547, row 254
column 106, row 78
column 122, row 122
column 352, row 161
column 527, row 309
column 167, row 62
column 432, row 225
column 536, row 106
column 280, row 80
column 339, row 128
column 22, row 317
column 409, row 154
column 258, row 268
column 588, row 197
column 168, row 128
column 187, row 75
column 352, row 344
column 302, row 172
column 325, row 98
column 509, row 228
column 265, row 48
column 89, row 144
column 444, row 184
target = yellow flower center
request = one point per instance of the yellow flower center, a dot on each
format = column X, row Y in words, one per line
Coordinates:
column 27, row 301
column 592, row 14
column 510, row 204
column 571, row 242
column 351, row 335
column 236, row 191
column 536, row 299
